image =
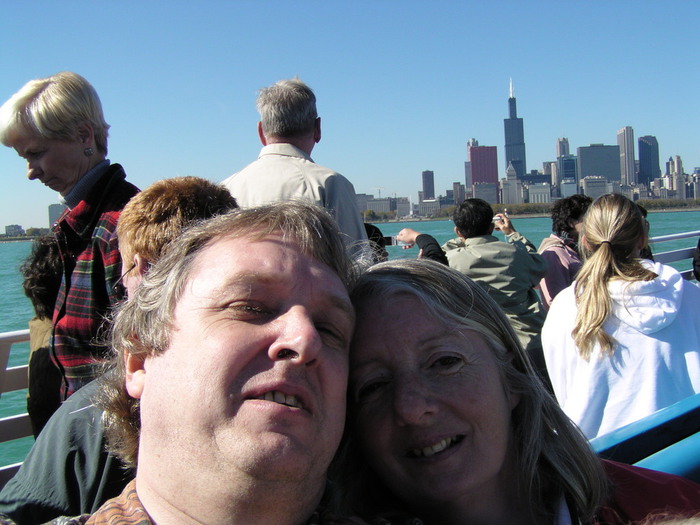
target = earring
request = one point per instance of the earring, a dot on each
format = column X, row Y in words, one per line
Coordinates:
column 88, row 152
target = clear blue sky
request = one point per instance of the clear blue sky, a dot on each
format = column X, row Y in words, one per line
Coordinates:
column 401, row 85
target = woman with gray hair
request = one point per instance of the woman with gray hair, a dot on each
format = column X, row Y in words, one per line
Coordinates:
column 56, row 124
column 449, row 423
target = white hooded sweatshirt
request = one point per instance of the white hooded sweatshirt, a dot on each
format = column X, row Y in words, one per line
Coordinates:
column 656, row 360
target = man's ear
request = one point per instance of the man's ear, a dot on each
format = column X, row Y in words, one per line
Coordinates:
column 135, row 375
column 458, row 233
column 317, row 130
column 261, row 134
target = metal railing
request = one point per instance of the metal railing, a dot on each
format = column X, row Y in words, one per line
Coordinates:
column 679, row 254
column 12, row 379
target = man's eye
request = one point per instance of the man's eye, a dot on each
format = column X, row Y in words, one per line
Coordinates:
column 248, row 311
column 332, row 334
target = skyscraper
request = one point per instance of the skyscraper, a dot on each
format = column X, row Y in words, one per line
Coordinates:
column 428, row 185
column 648, row 150
column 55, row 211
column 515, row 137
column 625, row 141
column 599, row 160
column 484, row 164
column 562, row 147
column 567, row 168
column 468, row 166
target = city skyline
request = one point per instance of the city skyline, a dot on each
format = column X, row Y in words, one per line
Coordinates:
column 401, row 86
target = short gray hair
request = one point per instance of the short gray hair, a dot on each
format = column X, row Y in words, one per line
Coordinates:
column 287, row 109
column 52, row 108
column 143, row 323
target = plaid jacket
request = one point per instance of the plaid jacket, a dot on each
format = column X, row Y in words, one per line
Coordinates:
column 91, row 270
column 127, row 509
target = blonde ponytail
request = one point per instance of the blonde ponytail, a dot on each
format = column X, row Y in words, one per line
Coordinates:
column 613, row 231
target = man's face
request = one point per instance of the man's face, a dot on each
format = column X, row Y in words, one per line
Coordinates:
column 255, row 375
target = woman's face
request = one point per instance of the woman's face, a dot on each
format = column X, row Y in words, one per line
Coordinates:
column 432, row 414
column 57, row 164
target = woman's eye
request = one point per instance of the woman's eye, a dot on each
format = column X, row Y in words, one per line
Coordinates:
column 369, row 389
column 448, row 363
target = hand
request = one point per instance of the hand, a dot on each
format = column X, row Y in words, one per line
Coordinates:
column 503, row 224
column 407, row 236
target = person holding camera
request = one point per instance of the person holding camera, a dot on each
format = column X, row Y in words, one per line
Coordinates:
column 508, row 271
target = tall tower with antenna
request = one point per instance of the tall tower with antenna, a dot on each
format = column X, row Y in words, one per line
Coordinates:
column 515, row 137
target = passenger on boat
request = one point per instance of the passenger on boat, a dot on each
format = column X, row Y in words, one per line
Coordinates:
column 232, row 372
column 288, row 129
column 508, row 271
column 623, row 341
column 68, row 470
column 42, row 272
column 447, row 421
column 377, row 243
column 645, row 252
column 560, row 249
column 57, row 125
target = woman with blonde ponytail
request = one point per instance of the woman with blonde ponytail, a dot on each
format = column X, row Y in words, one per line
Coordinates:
column 624, row 339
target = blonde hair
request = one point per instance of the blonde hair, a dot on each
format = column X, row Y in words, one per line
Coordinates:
column 53, row 108
column 613, row 230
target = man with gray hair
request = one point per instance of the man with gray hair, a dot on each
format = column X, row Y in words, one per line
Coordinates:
column 289, row 128
column 232, row 362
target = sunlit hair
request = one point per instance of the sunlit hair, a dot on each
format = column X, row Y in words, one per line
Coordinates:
column 157, row 215
column 568, row 210
column 53, row 108
column 473, row 217
column 670, row 518
column 613, row 232
column 553, row 457
column 143, row 324
column 287, row 109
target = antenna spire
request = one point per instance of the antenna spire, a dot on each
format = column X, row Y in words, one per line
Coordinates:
column 511, row 89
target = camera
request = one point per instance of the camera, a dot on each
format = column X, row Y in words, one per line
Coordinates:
column 391, row 241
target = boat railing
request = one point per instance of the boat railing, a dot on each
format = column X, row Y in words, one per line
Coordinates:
column 12, row 379
column 679, row 254
column 15, row 378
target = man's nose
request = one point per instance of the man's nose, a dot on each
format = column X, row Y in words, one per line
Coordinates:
column 298, row 338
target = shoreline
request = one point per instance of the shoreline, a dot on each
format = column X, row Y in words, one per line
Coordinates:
column 528, row 215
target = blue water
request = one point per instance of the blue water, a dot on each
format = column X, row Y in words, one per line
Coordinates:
column 16, row 310
column 536, row 229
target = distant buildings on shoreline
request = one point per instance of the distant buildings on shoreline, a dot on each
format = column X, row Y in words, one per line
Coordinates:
column 595, row 170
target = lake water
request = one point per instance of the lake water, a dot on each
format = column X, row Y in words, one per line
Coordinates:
column 16, row 310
